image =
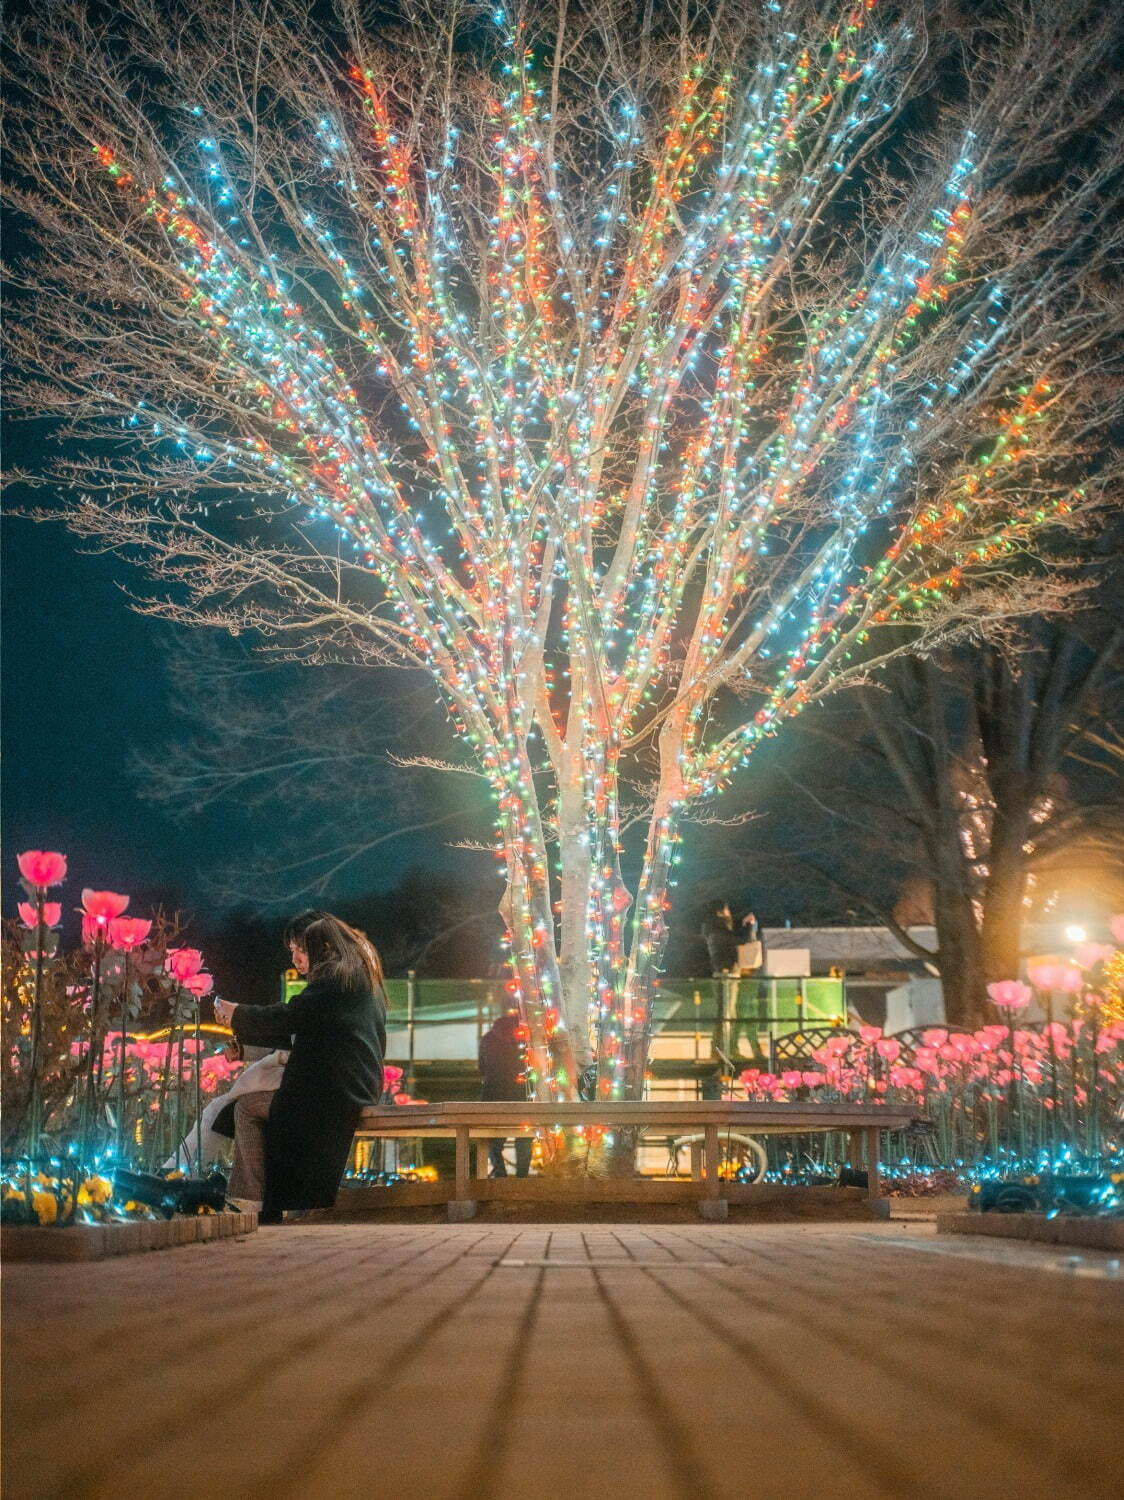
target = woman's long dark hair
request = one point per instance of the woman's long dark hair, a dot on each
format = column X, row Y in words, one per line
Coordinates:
column 297, row 926
column 339, row 954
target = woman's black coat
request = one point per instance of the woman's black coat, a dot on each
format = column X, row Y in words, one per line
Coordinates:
column 337, row 1040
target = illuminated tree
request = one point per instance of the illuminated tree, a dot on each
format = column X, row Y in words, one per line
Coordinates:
column 646, row 368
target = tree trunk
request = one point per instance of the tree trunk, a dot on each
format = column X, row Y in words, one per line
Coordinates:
column 575, row 963
column 650, row 925
column 527, row 914
column 959, row 956
column 1005, row 895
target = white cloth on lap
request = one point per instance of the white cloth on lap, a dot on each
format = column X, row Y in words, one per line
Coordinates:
column 262, row 1075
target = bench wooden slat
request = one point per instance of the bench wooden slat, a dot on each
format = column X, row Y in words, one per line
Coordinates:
column 360, row 1197
column 481, row 1115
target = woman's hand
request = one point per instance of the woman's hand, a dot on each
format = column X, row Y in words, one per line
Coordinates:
column 224, row 1009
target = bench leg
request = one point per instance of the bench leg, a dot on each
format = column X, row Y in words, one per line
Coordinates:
column 868, row 1139
column 715, row 1209
column 696, row 1161
column 878, row 1204
column 481, row 1158
column 463, row 1205
column 711, row 1204
column 711, row 1152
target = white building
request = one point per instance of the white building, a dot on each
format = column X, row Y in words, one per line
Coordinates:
column 888, row 984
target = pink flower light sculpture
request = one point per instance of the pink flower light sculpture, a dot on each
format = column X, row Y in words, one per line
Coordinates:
column 198, row 984
column 1089, row 955
column 183, row 963
column 1050, row 977
column 127, row 933
column 42, row 867
column 1009, row 994
column 29, row 916
column 102, row 906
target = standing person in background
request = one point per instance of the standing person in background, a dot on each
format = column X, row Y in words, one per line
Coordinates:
column 751, row 950
column 722, row 952
column 291, row 1147
column 752, row 998
column 502, row 1068
column 720, row 938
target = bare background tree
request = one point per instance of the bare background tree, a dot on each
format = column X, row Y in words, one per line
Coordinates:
column 960, row 775
column 660, row 375
column 324, row 764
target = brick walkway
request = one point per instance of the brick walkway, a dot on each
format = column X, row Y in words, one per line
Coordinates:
column 490, row 1363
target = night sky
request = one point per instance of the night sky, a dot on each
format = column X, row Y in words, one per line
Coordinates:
column 83, row 684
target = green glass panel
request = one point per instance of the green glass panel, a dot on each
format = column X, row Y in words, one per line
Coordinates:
column 682, row 1006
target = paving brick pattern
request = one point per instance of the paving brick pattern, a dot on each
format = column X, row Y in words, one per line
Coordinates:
column 484, row 1362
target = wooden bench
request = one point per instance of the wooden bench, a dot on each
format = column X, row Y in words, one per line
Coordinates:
column 483, row 1120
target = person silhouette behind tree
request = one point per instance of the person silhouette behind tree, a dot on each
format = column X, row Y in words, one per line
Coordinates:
column 720, row 937
column 503, row 1074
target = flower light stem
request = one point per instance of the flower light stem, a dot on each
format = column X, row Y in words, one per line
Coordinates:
column 1092, row 1116
column 1052, row 1130
column 179, row 1094
column 198, row 1094
column 119, row 1143
column 159, row 1141
column 89, row 1103
column 36, row 1093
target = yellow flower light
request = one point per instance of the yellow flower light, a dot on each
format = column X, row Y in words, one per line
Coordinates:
column 45, row 1206
column 95, row 1191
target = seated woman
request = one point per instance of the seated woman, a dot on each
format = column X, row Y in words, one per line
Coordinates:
column 291, row 1147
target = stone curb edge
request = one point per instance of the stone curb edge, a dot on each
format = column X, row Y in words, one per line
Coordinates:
column 1091, row 1233
column 99, row 1241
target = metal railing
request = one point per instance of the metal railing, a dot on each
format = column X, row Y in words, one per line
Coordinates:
column 702, row 1018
